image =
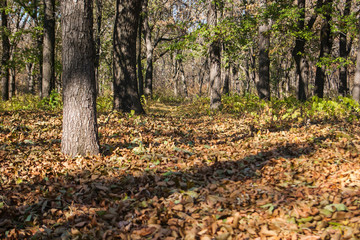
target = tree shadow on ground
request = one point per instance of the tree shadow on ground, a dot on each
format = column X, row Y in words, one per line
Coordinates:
column 84, row 202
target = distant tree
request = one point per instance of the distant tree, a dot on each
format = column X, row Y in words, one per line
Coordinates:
column 139, row 56
column 325, row 48
column 48, row 76
column 80, row 134
column 344, row 50
column 263, row 84
column 5, row 71
column 97, row 38
column 149, row 58
column 214, row 57
column 126, row 96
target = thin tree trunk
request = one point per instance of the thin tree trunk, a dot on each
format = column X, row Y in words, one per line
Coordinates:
column 48, row 77
column 139, row 64
column 99, row 10
column 184, row 80
column 30, row 77
column 80, row 132
column 226, row 88
column 176, row 77
column 298, row 53
column 149, row 59
column 5, row 68
column 343, row 52
column 12, row 84
column 215, row 60
column 126, row 95
column 325, row 49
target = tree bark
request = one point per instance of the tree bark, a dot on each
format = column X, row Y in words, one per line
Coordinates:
column 126, row 95
column 12, row 82
column 80, row 133
column 226, row 88
column 5, row 68
column 298, row 54
column 149, row 59
column 48, row 76
column 263, row 85
column 215, row 59
column 139, row 64
column 343, row 52
column 99, row 7
column 325, row 49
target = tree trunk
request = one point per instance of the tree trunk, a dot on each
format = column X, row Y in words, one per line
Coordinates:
column 298, row 54
column 149, row 59
column 139, row 64
column 325, row 49
column 126, row 95
column 343, row 52
column 80, row 133
column 226, row 88
column 356, row 88
column 5, row 68
column 215, row 60
column 39, row 78
column 30, row 77
column 48, row 76
column 12, row 82
column 99, row 7
column 185, row 87
column 263, row 85
column 176, row 76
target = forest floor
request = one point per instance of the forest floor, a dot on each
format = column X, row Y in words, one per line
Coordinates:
column 180, row 174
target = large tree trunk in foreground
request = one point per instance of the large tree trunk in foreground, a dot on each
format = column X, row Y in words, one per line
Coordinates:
column 5, row 70
column 80, row 134
column 48, row 76
column 126, row 96
column 215, row 60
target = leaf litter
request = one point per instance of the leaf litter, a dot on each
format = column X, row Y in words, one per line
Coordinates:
column 171, row 176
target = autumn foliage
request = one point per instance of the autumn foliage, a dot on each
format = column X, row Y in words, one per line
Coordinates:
column 266, row 170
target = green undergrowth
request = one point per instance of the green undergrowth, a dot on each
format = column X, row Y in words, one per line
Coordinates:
column 31, row 102
column 276, row 111
column 284, row 110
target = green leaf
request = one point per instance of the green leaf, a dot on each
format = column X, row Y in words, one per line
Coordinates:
column 28, row 219
column 336, row 207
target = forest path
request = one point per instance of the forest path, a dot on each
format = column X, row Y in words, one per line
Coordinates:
column 179, row 173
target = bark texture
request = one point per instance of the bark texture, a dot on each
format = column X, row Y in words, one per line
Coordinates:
column 356, row 88
column 5, row 70
column 298, row 54
column 48, row 76
column 139, row 64
column 215, row 60
column 97, row 37
column 126, row 96
column 80, row 134
column 149, row 59
column 344, row 52
column 325, row 49
column 263, row 85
